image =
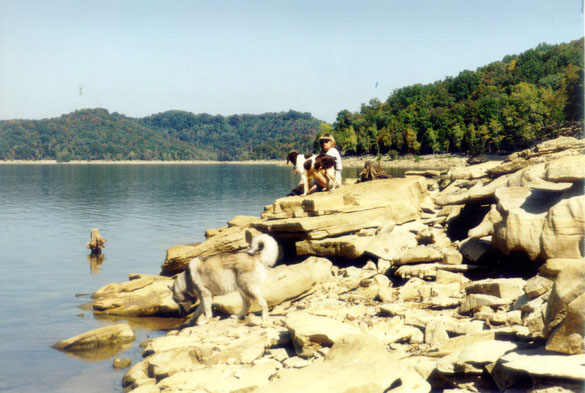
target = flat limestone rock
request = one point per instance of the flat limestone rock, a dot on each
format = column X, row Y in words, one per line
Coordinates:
column 284, row 282
column 538, row 362
column 147, row 296
column 111, row 335
column 544, row 152
column 320, row 227
column 354, row 364
column 349, row 246
column 311, row 332
column 351, row 197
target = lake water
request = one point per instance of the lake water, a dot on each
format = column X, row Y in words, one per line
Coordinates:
column 46, row 213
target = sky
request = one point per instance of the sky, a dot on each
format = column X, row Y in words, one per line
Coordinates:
column 142, row 57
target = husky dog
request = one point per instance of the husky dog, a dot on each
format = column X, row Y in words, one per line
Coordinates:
column 220, row 274
column 309, row 165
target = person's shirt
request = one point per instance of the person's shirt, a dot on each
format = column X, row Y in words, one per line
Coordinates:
column 333, row 152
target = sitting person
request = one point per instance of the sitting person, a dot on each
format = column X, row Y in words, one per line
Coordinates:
column 327, row 142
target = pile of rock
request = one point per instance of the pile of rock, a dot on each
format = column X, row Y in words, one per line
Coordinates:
column 471, row 279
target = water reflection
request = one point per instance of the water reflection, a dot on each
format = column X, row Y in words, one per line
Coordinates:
column 98, row 354
column 95, row 262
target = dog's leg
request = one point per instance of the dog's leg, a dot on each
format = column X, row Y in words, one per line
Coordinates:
column 255, row 294
column 193, row 320
column 305, row 184
column 262, row 302
column 206, row 298
column 245, row 306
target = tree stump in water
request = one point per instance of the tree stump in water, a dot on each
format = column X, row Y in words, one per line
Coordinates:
column 96, row 242
column 372, row 171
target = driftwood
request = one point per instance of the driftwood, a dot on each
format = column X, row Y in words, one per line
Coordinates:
column 372, row 171
column 96, row 241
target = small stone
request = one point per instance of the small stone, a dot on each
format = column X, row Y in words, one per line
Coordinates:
column 122, row 362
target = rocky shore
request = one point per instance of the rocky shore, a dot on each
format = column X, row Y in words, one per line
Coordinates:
column 468, row 279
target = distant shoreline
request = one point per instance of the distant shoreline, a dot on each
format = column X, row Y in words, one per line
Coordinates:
column 429, row 161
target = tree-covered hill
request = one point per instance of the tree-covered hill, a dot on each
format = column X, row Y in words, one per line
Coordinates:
column 503, row 106
column 96, row 134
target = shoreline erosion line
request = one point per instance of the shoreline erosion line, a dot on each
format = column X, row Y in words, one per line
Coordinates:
column 435, row 161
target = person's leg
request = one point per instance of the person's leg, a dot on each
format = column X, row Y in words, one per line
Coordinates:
column 319, row 183
column 298, row 190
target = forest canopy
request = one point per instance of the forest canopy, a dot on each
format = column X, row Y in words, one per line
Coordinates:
column 503, row 106
column 96, row 134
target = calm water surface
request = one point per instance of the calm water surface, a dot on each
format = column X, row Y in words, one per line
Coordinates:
column 46, row 213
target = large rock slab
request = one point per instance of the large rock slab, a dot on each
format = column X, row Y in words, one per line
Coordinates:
column 475, row 357
column 284, row 282
column 142, row 296
column 352, row 197
column 311, row 332
column 539, row 363
column 523, row 212
column 564, row 318
column 563, row 231
column 544, row 152
column 387, row 243
column 320, row 227
column 354, row 364
column 348, row 246
column 531, row 177
column 98, row 344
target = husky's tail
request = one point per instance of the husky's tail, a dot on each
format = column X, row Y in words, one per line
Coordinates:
column 266, row 248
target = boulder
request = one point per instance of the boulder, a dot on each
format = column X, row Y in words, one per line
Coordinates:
column 504, row 288
column 553, row 266
column 430, row 270
column 419, row 254
column 568, row 337
column 523, row 216
column 567, row 169
column 563, row 316
column 475, row 357
column 349, row 246
column 471, row 171
column 486, row 227
column 284, row 282
column 311, row 332
column 112, row 338
column 537, row 286
column 563, row 231
column 142, row 296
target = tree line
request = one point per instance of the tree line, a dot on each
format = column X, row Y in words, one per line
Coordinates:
column 96, row 134
column 503, row 106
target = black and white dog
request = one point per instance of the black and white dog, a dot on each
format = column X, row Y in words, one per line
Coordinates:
column 308, row 165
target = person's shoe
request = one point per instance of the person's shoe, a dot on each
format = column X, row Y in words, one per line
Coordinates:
column 293, row 192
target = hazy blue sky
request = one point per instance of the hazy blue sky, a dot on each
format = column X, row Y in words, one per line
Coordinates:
column 229, row 57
